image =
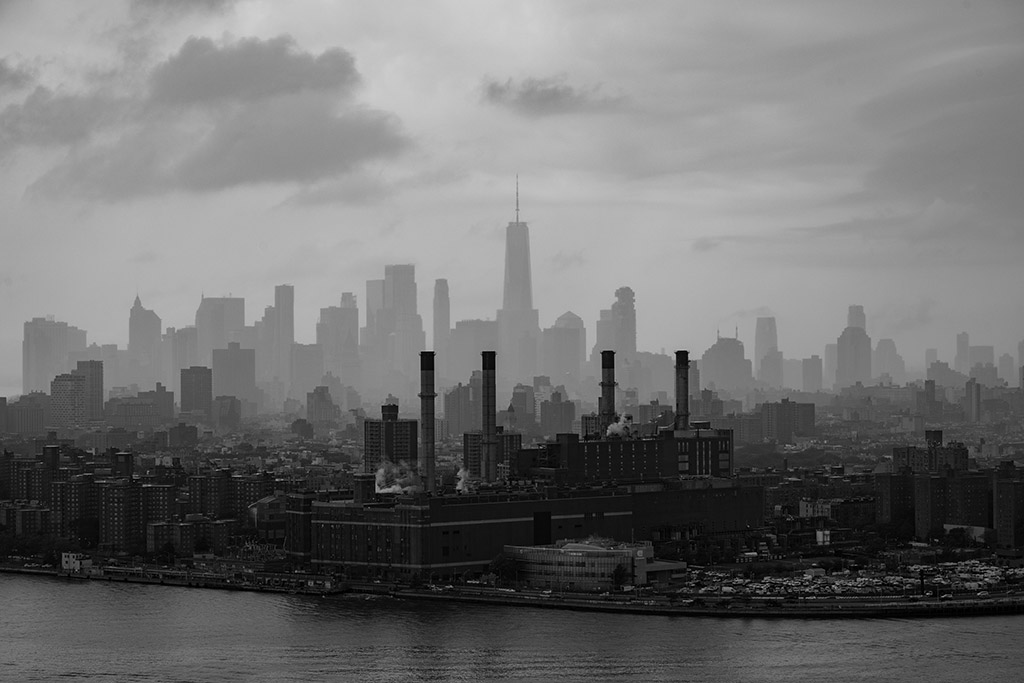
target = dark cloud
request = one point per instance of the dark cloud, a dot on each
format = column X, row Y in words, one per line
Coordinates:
column 548, row 96
column 179, row 7
column 15, row 76
column 248, row 70
column 212, row 116
column 287, row 140
column 48, row 118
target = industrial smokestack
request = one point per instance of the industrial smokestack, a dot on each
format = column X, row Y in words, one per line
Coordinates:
column 682, row 390
column 489, row 455
column 425, row 464
column 607, row 406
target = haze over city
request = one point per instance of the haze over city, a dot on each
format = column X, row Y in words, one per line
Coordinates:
column 781, row 160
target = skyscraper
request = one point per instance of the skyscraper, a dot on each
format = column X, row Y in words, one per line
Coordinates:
column 831, row 358
column 930, row 356
column 812, row 374
column 616, row 329
column 853, row 352
column 564, row 349
column 234, row 372
column 766, row 339
column 144, row 330
column 855, row 317
column 442, row 325
column 961, row 363
column 725, row 367
column 197, row 391
column 217, row 318
column 284, row 331
column 44, row 351
column 518, row 320
column 337, row 332
column 887, row 361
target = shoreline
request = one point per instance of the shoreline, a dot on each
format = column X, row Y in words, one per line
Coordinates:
column 822, row 608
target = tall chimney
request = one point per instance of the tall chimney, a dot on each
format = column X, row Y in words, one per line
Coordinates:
column 489, row 453
column 682, row 390
column 607, row 406
column 425, row 466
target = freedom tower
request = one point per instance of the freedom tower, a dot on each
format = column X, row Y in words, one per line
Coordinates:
column 518, row 322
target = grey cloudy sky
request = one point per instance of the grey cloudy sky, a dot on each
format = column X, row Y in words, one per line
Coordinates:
column 723, row 159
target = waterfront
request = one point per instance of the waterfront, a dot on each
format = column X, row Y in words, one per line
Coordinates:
column 118, row 631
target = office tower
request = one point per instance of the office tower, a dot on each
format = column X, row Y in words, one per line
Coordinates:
column 374, row 305
column 564, row 349
column 887, row 361
column 616, row 328
column 44, row 351
column 1007, row 369
column 197, row 391
column 524, row 402
column 284, row 331
column 468, row 340
column 831, row 358
column 724, row 367
column 216, row 320
column 1020, row 353
column 320, row 407
column 442, row 325
column 234, row 372
column 980, row 355
column 3, row 414
column 463, row 407
column 961, row 363
column 853, row 352
column 930, row 356
column 67, row 400
column 394, row 334
column 92, row 371
column 812, row 374
column 144, row 344
column 556, row 415
column 389, row 440
column 306, row 369
column 766, row 339
column 518, row 320
column 180, row 351
column 162, row 402
column 337, row 332
column 972, row 401
column 855, row 317
column 772, row 369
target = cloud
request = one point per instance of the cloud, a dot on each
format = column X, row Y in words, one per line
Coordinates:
column 48, row 118
column 179, row 7
column 564, row 260
column 702, row 244
column 548, row 96
column 14, row 77
column 249, row 70
column 289, row 140
column 210, row 117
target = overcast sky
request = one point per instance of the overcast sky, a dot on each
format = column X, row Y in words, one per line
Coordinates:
column 725, row 160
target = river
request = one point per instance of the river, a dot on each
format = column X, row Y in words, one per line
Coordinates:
column 94, row 630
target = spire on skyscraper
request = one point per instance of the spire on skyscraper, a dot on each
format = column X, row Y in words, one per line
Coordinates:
column 517, row 197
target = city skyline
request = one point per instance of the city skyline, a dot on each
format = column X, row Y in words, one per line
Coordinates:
column 785, row 178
